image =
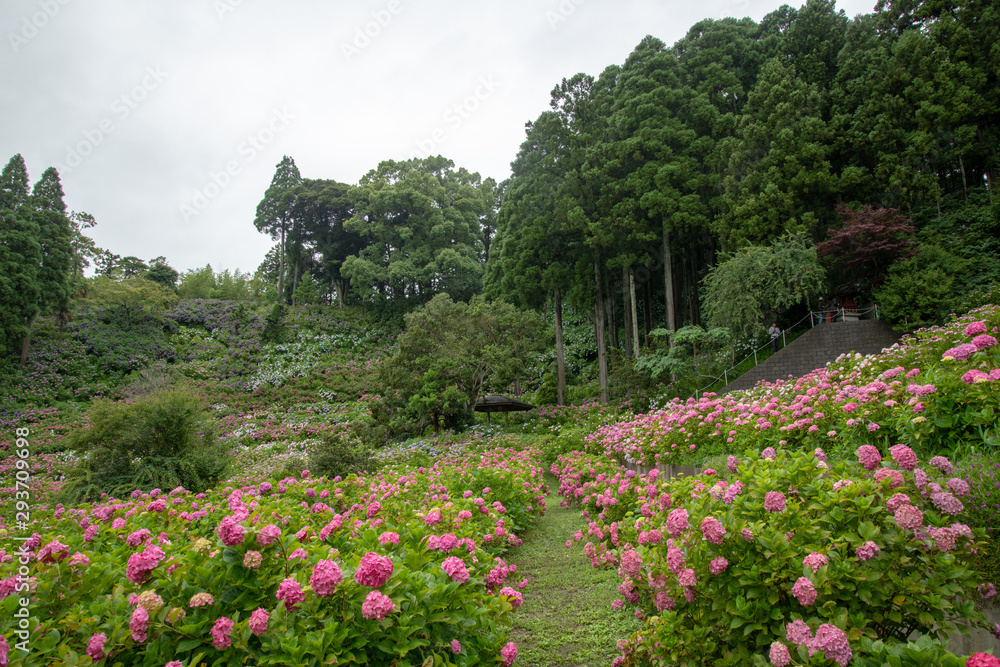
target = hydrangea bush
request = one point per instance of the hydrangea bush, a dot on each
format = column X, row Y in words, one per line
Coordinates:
column 402, row 567
column 792, row 557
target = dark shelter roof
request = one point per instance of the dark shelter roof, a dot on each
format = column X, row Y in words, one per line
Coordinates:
column 498, row 403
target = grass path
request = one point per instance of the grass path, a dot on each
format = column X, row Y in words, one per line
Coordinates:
column 566, row 619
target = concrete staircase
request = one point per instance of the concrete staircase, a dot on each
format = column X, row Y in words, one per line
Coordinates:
column 813, row 349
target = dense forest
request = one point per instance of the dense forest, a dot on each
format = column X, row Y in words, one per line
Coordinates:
column 740, row 175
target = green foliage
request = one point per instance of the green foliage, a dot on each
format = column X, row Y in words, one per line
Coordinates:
column 748, row 286
column 982, row 473
column 197, row 283
column 131, row 297
column 686, row 355
column 338, row 455
column 306, row 293
column 20, row 256
column 922, row 290
column 274, row 325
column 163, row 273
column 158, row 441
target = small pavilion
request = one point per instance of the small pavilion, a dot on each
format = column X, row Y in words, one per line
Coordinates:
column 497, row 403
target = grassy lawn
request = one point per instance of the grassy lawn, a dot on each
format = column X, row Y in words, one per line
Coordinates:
column 566, row 619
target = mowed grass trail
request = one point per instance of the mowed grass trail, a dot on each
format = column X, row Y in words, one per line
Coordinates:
column 566, row 619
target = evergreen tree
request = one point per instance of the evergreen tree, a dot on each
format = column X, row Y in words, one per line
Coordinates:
column 55, row 235
column 275, row 211
column 20, row 256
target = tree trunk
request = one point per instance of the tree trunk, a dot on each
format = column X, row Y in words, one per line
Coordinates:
column 668, row 283
column 647, row 311
column 612, row 315
column 27, row 343
column 560, row 358
column 295, row 276
column 281, row 269
column 965, row 185
column 628, row 313
column 602, row 353
column 695, row 308
column 635, row 314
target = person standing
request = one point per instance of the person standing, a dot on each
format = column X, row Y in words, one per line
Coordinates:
column 775, row 333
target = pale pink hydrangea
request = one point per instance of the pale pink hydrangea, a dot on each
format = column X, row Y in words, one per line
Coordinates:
column 747, row 534
column 513, row 596
column 815, row 561
column 388, row 537
column 960, row 352
column 944, row 538
column 377, row 606
column 959, row 487
column 675, row 559
column 373, row 570
column 139, row 625
column 975, row 328
column 201, row 600
column 325, row 576
column 897, row 501
column 95, row 646
column 687, row 578
column 732, row 462
column 631, row 564
column 894, row 476
column 797, row 632
column 942, row 464
column 779, row 655
column 258, row 621
column 832, row 641
column 947, row 503
column 252, row 559
column 149, row 601
column 804, row 591
column 768, row 453
column 663, row 601
column 456, row 646
column 867, row 551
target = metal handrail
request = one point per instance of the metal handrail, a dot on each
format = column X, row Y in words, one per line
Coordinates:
column 815, row 317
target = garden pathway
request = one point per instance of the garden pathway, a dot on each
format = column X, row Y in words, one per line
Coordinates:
column 566, row 619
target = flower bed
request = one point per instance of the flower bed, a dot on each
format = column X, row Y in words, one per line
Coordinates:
column 402, row 567
column 790, row 556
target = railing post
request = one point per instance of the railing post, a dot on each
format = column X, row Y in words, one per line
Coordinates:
column 811, row 325
column 755, row 356
column 876, row 311
column 725, row 374
column 783, row 343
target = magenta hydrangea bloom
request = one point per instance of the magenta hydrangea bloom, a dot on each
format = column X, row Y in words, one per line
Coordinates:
column 832, row 641
column 869, row 457
column 455, row 568
column 797, row 632
column 377, row 606
column 732, row 462
column 984, row 341
column 897, row 501
column 718, row 565
column 959, row 487
column 220, row 633
column 804, row 591
column 947, row 503
column 779, row 655
column 290, row 592
column 268, row 534
column 95, row 647
column 515, row 598
column 774, row 501
column 909, row 517
column 975, row 329
column 687, row 578
column 230, row 532
column 139, row 565
column 677, row 522
column 904, row 457
column 139, row 625
column 509, row 654
column 867, row 551
column 373, row 570
column 747, row 534
column 631, row 564
column 258, row 621
column 961, row 352
column 815, row 561
column 768, row 453
column 712, row 530
column 675, row 559
column 894, row 476
column 326, row 575
column 456, row 646
column 942, row 464
column 388, row 537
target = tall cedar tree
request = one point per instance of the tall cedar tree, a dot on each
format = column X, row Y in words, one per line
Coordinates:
column 274, row 212
column 20, row 256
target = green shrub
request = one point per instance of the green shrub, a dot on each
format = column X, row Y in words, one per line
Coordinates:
column 157, row 441
column 337, row 455
column 274, row 325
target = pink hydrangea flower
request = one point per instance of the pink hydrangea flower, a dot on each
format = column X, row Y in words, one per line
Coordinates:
column 815, row 561
column 960, row 352
column 687, row 578
column 631, row 564
column 388, row 538
column 220, row 633
column 455, row 568
column 201, row 600
column 984, row 341
column 942, row 464
column 894, row 476
column 290, row 592
column 675, row 559
column 904, row 457
column 732, row 462
column 509, row 654
column 804, row 591
column 747, row 534
column 373, row 570
column 975, row 328
column 718, row 565
column 433, row 518
column 456, row 647
column 230, row 532
column 869, row 457
column 832, row 641
column 947, row 503
column 768, row 453
column 95, row 646
column 139, row 565
column 139, row 625
column 513, row 596
column 779, row 655
column 774, row 501
column 677, row 522
column 897, row 501
column 326, row 575
column 252, row 559
column 377, row 606
column 712, row 530
column 909, row 517
column 268, row 534
column 53, row 552
column 258, row 621
column 867, row 551
column 797, row 632
column 959, row 487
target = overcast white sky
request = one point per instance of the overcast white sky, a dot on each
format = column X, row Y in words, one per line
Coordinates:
column 166, row 118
